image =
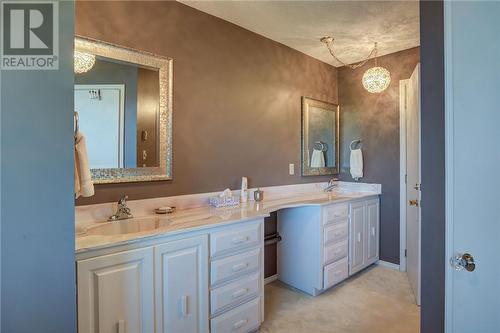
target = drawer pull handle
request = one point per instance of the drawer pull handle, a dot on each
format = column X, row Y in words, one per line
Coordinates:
column 373, row 231
column 121, row 326
column 240, row 267
column 240, row 324
column 184, row 306
column 240, row 293
column 359, row 237
column 240, row 240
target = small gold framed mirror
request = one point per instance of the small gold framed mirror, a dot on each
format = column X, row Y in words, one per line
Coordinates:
column 320, row 137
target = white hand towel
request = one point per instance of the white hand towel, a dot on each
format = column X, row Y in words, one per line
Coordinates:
column 356, row 164
column 317, row 159
column 83, row 179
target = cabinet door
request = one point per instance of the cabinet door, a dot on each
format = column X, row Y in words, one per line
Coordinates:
column 115, row 293
column 181, row 277
column 372, row 216
column 357, row 255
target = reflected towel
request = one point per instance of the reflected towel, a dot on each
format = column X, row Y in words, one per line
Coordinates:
column 356, row 164
column 83, row 179
column 317, row 159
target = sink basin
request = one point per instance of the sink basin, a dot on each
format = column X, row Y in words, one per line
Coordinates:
column 127, row 226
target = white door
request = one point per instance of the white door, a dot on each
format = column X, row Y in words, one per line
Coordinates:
column 181, row 276
column 115, row 293
column 101, row 120
column 472, row 83
column 413, row 181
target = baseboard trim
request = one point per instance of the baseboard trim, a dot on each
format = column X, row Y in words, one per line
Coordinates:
column 388, row 265
column 270, row 279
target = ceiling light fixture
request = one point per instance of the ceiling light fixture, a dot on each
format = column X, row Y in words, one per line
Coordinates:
column 83, row 62
column 375, row 79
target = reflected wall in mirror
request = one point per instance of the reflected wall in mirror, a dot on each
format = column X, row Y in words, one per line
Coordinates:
column 320, row 138
column 124, row 102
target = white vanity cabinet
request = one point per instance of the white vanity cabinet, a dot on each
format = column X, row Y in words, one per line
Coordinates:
column 116, row 293
column 364, row 234
column 181, row 295
column 323, row 245
column 119, row 293
column 237, row 278
column 177, row 284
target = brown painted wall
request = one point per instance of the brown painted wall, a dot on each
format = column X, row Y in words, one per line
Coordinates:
column 236, row 96
column 374, row 118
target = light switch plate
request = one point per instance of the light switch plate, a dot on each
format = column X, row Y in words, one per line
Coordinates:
column 291, row 169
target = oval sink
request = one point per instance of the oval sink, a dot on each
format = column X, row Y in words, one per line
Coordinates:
column 127, row 226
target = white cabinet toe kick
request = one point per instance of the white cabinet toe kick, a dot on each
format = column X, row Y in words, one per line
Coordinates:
column 212, row 280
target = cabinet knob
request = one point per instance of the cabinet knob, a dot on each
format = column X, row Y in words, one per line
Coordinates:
column 240, row 323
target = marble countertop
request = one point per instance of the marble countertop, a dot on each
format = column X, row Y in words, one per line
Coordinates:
column 102, row 235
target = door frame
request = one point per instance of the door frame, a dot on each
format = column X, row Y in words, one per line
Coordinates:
column 402, row 174
column 449, row 175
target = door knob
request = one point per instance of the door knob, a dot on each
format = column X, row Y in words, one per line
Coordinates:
column 413, row 202
column 463, row 261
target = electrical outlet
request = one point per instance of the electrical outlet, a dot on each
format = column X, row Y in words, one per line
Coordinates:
column 291, row 169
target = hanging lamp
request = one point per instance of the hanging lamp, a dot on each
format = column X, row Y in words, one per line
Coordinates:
column 375, row 79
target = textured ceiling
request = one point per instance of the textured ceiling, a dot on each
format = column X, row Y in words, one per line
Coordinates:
column 355, row 25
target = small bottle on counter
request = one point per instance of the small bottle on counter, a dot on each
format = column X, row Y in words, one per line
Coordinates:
column 258, row 195
column 244, row 190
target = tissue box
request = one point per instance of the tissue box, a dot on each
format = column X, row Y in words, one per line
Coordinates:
column 224, row 201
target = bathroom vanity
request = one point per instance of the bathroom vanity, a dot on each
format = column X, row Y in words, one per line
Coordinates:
column 134, row 280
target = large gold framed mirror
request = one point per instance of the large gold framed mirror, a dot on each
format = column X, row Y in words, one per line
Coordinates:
column 123, row 100
column 320, row 137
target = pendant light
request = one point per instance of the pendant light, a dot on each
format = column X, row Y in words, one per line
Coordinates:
column 83, row 62
column 375, row 79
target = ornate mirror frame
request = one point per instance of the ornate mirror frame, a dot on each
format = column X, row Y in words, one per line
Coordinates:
column 164, row 66
column 306, row 169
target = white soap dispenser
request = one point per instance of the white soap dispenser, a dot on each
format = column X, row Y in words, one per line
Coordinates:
column 244, row 190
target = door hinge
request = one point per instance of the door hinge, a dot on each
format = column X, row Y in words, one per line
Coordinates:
column 406, row 179
column 406, row 253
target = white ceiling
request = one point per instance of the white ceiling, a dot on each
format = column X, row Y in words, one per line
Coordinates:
column 355, row 25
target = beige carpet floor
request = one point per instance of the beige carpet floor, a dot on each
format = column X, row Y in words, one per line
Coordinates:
column 377, row 300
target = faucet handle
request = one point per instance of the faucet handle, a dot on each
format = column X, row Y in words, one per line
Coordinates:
column 330, row 182
column 123, row 200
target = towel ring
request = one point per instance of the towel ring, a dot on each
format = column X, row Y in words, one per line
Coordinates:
column 319, row 145
column 77, row 121
column 355, row 142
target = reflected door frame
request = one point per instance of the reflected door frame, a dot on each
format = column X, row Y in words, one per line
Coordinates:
column 121, row 114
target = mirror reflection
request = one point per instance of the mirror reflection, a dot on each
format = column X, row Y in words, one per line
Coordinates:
column 118, row 105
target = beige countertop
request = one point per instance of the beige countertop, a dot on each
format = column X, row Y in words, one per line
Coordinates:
column 107, row 234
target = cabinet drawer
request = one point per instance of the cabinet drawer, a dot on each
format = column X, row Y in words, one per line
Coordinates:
column 234, row 293
column 334, row 252
column 336, row 232
column 334, row 212
column 335, row 273
column 245, row 318
column 234, row 238
column 230, row 267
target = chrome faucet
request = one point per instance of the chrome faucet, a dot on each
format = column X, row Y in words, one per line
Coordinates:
column 331, row 185
column 122, row 211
